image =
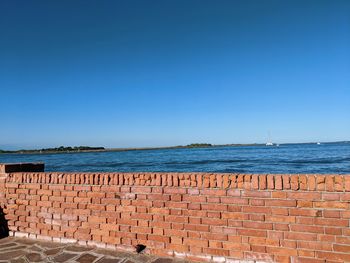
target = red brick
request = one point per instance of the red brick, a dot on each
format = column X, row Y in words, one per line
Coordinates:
column 333, row 256
column 339, row 183
column 330, row 183
column 257, row 209
column 256, row 217
column 213, row 192
column 331, row 213
column 216, row 252
column 234, row 192
column 214, row 221
column 286, row 182
column 257, row 225
column 281, row 227
column 304, row 212
column 343, row 240
column 214, row 236
column 285, row 203
column 196, row 242
column 309, row 260
column 69, row 217
column 255, row 182
column 96, row 219
column 260, row 249
column 333, row 231
column 270, row 181
column 237, row 216
column 258, row 202
column 263, row 241
column 303, row 182
column 214, row 207
column 279, row 211
column 282, row 251
column 44, row 203
column 262, row 182
column 254, row 233
column 331, row 196
column 278, row 182
column 294, row 182
column 308, row 229
column 347, row 183
column 258, row 194
column 300, row 236
column 337, row 223
column 315, row 245
column 312, row 182
column 333, row 205
column 304, row 195
column 215, row 244
column 159, row 238
column 200, row 228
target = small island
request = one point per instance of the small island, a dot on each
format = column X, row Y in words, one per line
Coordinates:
column 198, row 145
column 61, row 149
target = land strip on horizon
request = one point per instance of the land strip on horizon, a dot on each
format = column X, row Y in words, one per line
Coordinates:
column 84, row 149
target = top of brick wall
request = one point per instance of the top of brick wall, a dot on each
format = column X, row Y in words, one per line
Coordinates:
column 21, row 167
column 295, row 182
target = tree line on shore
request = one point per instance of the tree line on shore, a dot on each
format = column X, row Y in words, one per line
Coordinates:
column 58, row 149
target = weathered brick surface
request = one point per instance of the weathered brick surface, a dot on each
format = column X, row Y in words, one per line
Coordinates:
column 271, row 218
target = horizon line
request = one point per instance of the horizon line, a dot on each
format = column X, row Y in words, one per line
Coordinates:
column 177, row 146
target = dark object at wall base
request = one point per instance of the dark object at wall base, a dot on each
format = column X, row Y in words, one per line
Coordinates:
column 21, row 167
column 4, row 229
column 139, row 248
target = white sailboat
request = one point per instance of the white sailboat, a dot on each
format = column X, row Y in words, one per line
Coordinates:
column 269, row 142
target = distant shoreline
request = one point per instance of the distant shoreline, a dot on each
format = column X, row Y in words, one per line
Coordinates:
column 86, row 149
column 44, row 151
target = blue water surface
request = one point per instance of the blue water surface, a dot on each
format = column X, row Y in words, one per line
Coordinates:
column 287, row 158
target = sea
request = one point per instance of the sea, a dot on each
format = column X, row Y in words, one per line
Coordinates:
column 324, row 158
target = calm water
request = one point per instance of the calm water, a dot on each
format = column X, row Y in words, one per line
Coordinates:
column 296, row 158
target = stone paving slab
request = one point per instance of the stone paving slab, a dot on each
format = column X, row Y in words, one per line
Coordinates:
column 23, row 250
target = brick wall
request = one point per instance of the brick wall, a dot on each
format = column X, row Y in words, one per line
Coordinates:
column 267, row 218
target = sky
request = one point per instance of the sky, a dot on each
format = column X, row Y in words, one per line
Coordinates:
column 160, row 73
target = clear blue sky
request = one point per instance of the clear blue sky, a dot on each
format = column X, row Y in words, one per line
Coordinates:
column 153, row 73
